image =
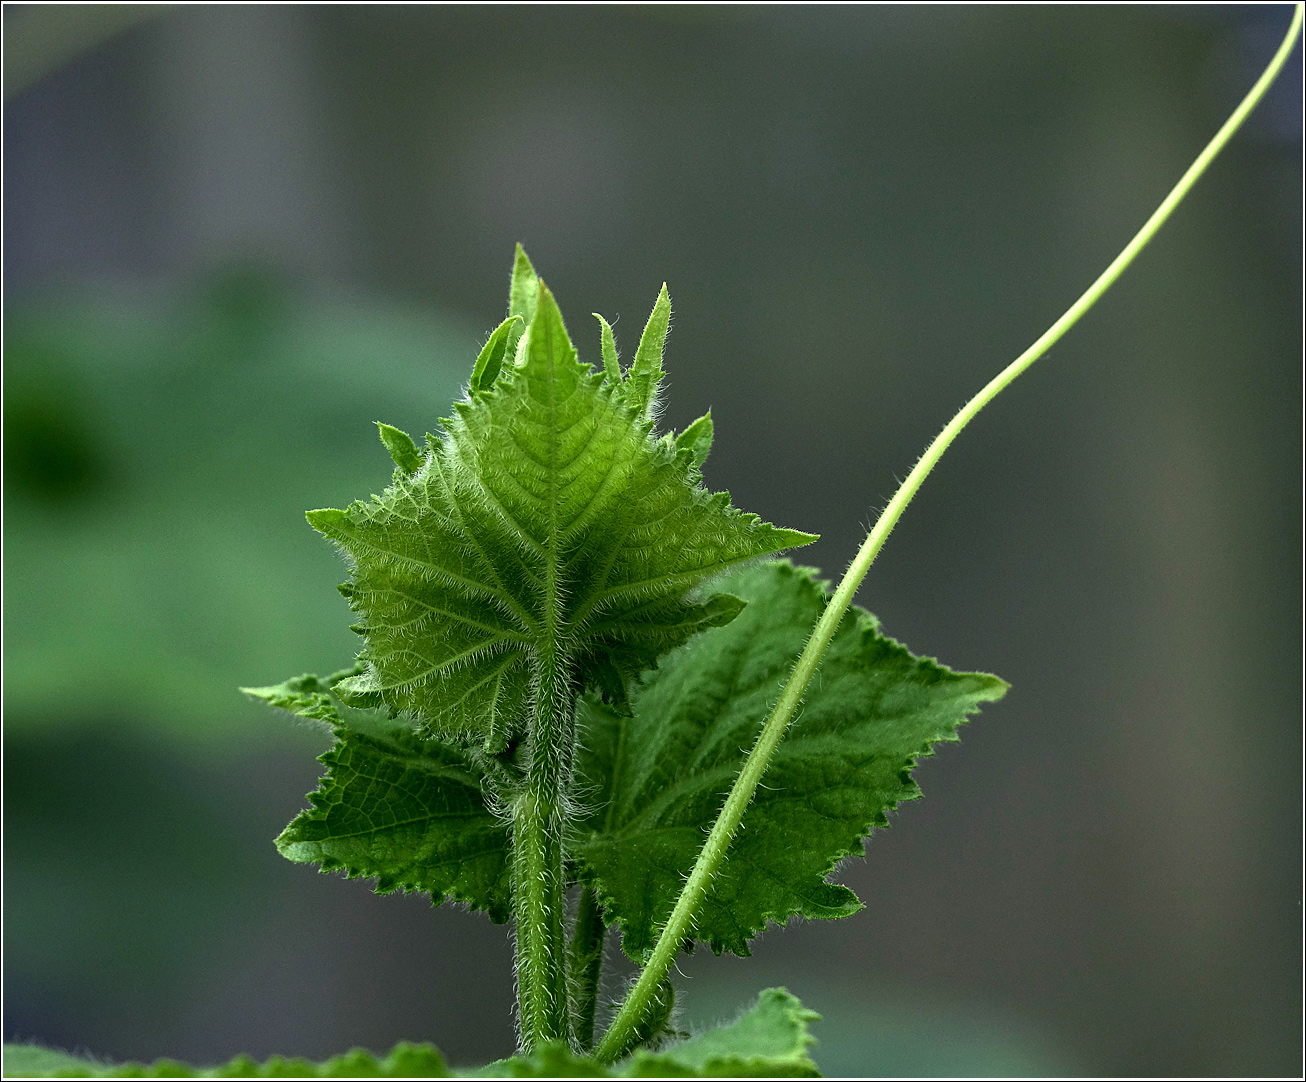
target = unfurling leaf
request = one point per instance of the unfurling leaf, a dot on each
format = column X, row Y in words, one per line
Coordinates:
column 490, row 360
column 306, row 696
column 660, row 775
column 548, row 519
column 608, row 347
column 646, row 369
column 697, row 439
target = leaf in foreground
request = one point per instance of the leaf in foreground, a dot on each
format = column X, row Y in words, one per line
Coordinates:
column 659, row 777
column 393, row 806
column 546, row 521
column 769, row 1041
column 405, row 1060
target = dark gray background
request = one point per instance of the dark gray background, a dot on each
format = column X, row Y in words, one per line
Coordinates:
column 862, row 214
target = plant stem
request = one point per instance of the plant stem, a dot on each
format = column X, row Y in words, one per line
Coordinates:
column 537, row 861
column 586, row 966
column 680, row 924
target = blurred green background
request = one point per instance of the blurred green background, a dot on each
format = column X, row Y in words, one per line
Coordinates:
column 238, row 235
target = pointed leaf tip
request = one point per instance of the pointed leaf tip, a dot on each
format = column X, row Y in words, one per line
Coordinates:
column 549, row 350
column 697, row 438
column 327, row 520
column 608, row 344
column 646, row 370
column 401, row 447
column 525, row 288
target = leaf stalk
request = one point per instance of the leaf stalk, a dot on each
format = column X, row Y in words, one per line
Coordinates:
column 538, row 894
column 680, row 924
column 586, row 965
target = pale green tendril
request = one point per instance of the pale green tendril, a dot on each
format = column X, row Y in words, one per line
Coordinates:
column 680, row 924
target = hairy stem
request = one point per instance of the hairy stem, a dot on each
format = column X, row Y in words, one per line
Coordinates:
column 680, row 924
column 586, row 966
column 537, row 862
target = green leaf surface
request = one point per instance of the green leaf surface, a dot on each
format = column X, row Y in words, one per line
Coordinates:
column 401, row 446
column 524, row 292
column 547, row 519
column 551, row 1060
column 405, row 1060
column 608, row 347
column 395, row 807
column 660, row 776
column 697, row 439
column 646, row 369
column 769, row 1041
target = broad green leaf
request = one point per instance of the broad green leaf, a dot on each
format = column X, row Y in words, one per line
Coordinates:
column 660, row 776
column 405, row 811
column 405, row 1060
column 548, row 518
column 553, row 1059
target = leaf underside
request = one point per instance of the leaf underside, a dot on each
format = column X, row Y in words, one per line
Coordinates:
column 406, row 811
column 546, row 518
column 657, row 779
column 769, row 1041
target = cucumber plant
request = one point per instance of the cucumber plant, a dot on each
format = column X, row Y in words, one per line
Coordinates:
column 568, row 644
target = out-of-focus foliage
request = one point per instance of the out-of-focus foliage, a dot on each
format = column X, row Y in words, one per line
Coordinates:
column 405, row 1060
column 157, row 455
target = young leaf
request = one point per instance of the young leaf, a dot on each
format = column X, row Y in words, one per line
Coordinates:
column 659, row 777
column 401, row 447
column 697, row 438
column 547, row 521
column 490, row 360
column 646, row 370
column 406, row 811
column 523, row 295
column 405, row 1060
column 306, row 696
column 608, row 346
